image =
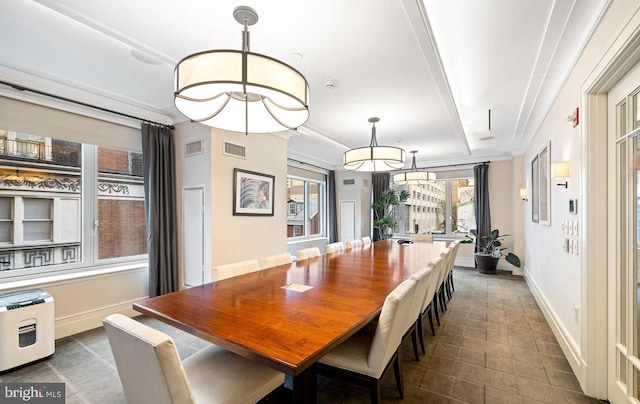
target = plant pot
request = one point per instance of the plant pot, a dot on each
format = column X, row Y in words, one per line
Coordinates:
column 486, row 263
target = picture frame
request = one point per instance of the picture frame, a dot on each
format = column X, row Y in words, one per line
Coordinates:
column 545, row 184
column 535, row 193
column 253, row 193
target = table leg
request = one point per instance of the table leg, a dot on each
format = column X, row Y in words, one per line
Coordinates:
column 305, row 387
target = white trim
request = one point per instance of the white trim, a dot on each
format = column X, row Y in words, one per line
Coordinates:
column 569, row 347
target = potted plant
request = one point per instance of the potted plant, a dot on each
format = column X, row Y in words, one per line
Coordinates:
column 489, row 250
column 383, row 212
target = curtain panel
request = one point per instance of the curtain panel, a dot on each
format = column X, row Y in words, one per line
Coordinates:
column 482, row 210
column 380, row 183
column 332, row 207
column 158, row 159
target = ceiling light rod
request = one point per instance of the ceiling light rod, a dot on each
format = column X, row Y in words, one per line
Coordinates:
column 241, row 91
column 489, row 119
column 374, row 140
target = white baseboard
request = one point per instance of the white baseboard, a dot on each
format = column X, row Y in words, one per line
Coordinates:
column 88, row 320
column 569, row 347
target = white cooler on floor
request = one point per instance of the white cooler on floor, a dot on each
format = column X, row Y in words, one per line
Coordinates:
column 27, row 327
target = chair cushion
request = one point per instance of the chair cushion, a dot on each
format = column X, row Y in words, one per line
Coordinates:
column 217, row 375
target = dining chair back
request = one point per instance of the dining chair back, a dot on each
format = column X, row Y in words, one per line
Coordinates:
column 276, row 260
column 366, row 240
column 151, row 371
column 306, row 253
column 372, row 349
column 334, row 247
column 421, row 237
column 354, row 244
column 235, row 269
column 422, row 278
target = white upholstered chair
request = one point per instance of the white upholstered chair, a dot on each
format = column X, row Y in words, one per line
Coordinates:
column 353, row 244
column 334, row 247
column 235, row 269
column 366, row 240
column 449, row 278
column 422, row 278
column 276, row 260
column 421, row 237
column 306, row 253
column 427, row 304
column 440, row 293
column 370, row 351
column 151, row 371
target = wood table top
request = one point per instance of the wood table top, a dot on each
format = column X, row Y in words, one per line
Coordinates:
column 254, row 316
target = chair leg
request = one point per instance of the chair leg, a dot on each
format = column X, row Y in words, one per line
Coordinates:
column 433, row 331
column 397, row 369
column 374, row 387
column 434, row 304
column 453, row 288
column 414, row 341
column 443, row 304
column 421, row 333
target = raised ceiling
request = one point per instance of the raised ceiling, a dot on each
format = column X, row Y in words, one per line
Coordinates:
column 430, row 69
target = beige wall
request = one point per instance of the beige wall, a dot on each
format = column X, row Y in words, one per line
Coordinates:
column 238, row 238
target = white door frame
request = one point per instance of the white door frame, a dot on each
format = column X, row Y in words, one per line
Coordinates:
column 597, row 173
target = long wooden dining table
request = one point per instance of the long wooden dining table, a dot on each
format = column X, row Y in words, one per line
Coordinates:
column 287, row 317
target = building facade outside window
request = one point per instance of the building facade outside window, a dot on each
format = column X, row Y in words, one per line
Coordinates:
column 43, row 218
column 444, row 208
column 306, row 207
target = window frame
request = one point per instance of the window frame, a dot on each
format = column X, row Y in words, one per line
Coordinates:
column 322, row 208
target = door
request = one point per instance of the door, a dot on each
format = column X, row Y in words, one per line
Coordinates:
column 347, row 220
column 624, row 290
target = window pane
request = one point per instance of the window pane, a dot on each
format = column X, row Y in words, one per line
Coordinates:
column 37, row 231
column 463, row 217
column 6, row 229
column 295, row 199
column 5, row 208
column 314, row 215
column 121, row 210
column 37, row 208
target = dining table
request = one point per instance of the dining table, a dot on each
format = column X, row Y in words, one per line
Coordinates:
column 289, row 316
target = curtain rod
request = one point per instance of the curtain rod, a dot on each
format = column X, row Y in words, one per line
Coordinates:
column 456, row 165
column 84, row 104
column 308, row 164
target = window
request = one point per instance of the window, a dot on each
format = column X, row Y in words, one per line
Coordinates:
column 48, row 222
column 446, row 208
column 306, row 198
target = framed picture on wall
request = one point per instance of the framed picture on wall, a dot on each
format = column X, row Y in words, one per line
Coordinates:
column 544, row 165
column 252, row 193
column 535, row 191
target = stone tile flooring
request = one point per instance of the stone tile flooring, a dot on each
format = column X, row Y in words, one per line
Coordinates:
column 493, row 346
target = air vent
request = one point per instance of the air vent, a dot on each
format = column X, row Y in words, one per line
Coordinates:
column 193, row 148
column 234, row 150
column 348, row 182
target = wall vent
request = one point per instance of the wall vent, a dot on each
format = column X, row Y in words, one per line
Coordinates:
column 348, row 182
column 192, row 148
column 234, row 150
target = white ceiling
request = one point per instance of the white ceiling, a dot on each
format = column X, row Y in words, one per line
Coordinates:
column 430, row 69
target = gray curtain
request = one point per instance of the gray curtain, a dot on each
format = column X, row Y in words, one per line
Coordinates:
column 380, row 183
column 158, row 159
column 331, row 208
column 482, row 210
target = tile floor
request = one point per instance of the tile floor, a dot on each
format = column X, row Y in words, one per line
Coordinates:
column 493, row 346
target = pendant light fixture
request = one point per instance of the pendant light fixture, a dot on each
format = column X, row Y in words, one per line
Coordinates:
column 241, row 91
column 374, row 158
column 414, row 176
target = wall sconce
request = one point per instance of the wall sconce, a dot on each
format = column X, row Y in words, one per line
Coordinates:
column 524, row 194
column 560, row 170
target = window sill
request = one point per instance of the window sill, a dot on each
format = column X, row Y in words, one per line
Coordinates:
column 61, row 278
